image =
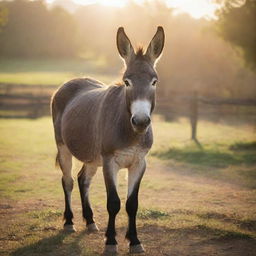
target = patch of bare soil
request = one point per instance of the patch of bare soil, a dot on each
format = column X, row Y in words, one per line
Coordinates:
column 192, row 242
column 177, row 194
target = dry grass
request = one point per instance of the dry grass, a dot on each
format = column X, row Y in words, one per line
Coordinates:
column 50, row 72
column 186, row 207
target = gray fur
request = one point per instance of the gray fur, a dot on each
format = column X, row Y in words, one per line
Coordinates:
column 109, row 126
column 94, row 121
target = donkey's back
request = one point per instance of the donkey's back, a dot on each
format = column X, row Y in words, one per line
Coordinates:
column 65, row 95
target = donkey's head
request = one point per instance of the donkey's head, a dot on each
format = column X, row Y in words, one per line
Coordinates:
column 140, row 77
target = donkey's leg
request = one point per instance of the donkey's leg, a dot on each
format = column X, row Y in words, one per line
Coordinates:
column 65, row 161
column 84, row 180
column 110, row 170
column 135, row 174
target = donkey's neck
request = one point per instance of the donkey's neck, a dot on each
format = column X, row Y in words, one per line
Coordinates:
column 118, row 132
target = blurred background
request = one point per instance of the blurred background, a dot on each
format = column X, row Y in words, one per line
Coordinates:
column 199, row 191
column 209, row 55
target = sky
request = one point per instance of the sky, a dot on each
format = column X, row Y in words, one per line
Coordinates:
column 195, row 8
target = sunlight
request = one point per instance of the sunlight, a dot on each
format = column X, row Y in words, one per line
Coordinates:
column 116, row 3
column 195, row 8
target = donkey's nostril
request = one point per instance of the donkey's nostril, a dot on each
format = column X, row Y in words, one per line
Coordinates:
column 134, row 121
column 141, row 122
column 147, row 121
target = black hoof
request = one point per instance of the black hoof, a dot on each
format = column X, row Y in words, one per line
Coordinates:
column 110, row 250
column 69, row 228
column 92, row 228
column 138, row 248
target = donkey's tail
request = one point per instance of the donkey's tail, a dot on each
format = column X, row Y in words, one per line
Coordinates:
column 57, row 160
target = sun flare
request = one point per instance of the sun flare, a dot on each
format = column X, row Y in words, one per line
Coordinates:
column 195, row 8
column 115, row 3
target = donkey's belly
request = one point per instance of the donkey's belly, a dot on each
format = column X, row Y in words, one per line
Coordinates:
column 124, row 158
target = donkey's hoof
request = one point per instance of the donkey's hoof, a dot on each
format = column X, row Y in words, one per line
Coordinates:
column 69, row 228
column 138, row 248
column 92, row 228
column 110, row 250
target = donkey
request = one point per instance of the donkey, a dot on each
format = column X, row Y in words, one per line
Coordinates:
column 108, row 126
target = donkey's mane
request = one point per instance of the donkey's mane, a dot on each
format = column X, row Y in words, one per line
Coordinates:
column 119, row 83
column 140, row 51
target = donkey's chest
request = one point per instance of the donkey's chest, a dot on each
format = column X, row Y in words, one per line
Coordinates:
column 126, row 157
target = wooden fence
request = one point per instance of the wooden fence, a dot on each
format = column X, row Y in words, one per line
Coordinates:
column 33, row 101
column 195, row 106
column 196, row 100
column 25, row 101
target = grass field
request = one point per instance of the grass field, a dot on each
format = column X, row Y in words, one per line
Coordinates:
column 50, row 71
column 192, row 201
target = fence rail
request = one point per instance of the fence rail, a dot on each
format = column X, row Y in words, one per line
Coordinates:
column 25, row 101
column 239, row 102
column 32, row 101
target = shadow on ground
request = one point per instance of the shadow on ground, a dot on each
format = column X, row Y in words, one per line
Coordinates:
column 194, row 241
column 60, row 244
column 158, row 240
column 237, row 155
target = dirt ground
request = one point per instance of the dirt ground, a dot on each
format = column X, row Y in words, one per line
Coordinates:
column 192, row 202
column 198, row 216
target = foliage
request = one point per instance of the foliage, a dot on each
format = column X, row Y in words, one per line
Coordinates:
column 3, row 16
column 194, row 58
column 237, row 24
column 33, row 30
column 49, row 71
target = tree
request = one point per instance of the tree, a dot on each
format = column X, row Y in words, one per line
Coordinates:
column 3, row 16
column 33, row 30
column 237, row 24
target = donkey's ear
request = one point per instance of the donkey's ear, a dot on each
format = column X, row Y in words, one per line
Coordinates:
column 124, row 45
column 156, row 45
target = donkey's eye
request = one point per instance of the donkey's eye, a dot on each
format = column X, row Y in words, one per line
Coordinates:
column 154, row 82
column 126, row 82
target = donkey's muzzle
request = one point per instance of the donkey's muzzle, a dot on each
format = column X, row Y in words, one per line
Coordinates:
column 140, row 123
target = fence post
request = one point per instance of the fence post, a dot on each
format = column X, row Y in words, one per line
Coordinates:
column 194, row 115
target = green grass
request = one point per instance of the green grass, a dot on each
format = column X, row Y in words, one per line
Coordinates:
column 186, row 205
column 227, row 152
column 152, row 214
column 212, row 156
column 251, row 146
column 51, row 71
column 42, row 78
column 26, row 154
column 46, row 215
